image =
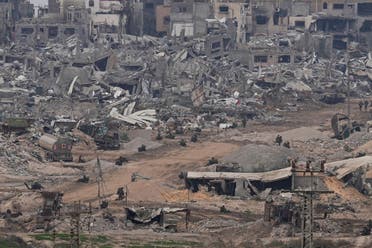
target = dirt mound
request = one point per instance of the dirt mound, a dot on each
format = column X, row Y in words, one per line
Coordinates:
column 185, row 196
column 347, row 193
column 133, row 145
column 260, row 158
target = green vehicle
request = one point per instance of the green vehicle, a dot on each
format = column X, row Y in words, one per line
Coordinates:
column 15, row 124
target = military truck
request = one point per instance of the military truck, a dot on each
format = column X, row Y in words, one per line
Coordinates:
column 58, row 149
column 15, row 124
column 105, row 134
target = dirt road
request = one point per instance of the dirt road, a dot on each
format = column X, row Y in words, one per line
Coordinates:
column 161, row 170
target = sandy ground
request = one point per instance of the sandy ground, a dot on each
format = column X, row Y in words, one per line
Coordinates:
column 162, row 166
column 161, row 171
column 347, row 193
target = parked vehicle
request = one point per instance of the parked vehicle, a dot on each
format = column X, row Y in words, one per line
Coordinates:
column 58, row 149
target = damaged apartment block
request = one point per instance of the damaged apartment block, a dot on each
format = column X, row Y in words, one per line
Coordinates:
column 12, row 11
column 73, row 21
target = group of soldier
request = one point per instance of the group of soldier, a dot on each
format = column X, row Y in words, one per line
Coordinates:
column 279, row 141
column 364, row 103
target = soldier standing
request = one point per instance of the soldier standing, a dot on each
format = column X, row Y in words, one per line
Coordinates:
column 360, row 105
column 287, row 144
column 279, row 139
column 120, row 192
column 366, row 105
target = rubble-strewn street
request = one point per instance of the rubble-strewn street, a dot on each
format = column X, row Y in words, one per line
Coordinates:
column 183, row 123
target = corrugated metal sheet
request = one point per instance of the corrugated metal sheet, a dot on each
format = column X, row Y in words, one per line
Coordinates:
column 269, row 176
column 345, row 167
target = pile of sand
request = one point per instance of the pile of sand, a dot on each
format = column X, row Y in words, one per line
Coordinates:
column 260, row 158
column 347, row 193
column 185, row 196
column 133, row 145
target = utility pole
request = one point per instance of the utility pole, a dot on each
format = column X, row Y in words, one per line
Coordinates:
column 103, row 203
column 348, row 86
column 307, row 188
column 75, row 224
column 307, row 217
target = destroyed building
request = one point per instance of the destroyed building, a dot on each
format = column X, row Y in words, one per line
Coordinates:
column 162, row 13
column 263, row 52
column 188, row 17
column 10, row 13
column 108, row 20
column 148, row 17
column 220, row 107
column 72, row 19
column 238, row 12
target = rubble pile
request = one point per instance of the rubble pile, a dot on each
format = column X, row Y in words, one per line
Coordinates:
column 163, row 73
column 115, row 114
column 15, row 157
column 260, row 158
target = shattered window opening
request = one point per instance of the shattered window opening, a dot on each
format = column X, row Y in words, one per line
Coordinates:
column 78, row 15
column 69, row 31
column 284, row 59
column 166, row 20
column 108, row 29
column 300, row 24
column 260, row 59
column 325, row 5
column 149, row 5
column 276, row 18
column 52, row 32
column 340, row 43
column 338, row 6
column 182, row 9
column 27, row 30
column 224, row 9
column 366, row 27
column 261, row 19
column 216, row 44
column 364, row 9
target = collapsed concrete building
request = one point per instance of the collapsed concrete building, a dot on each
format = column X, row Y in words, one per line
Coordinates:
column 148, row 17
column 108, row 20
column 346, row 21
column 63, row 21
column 10, row 13
column 162, row 13
column 240, row 13
column 188, row 17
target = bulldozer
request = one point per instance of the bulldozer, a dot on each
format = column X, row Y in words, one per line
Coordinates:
column 105, row 134
column 342, row 126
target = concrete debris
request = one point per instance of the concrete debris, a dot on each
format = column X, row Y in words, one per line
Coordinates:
column 241, row 97
column 147, row 216
column 259, row 158
column 142, row 118
column 355, row 172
